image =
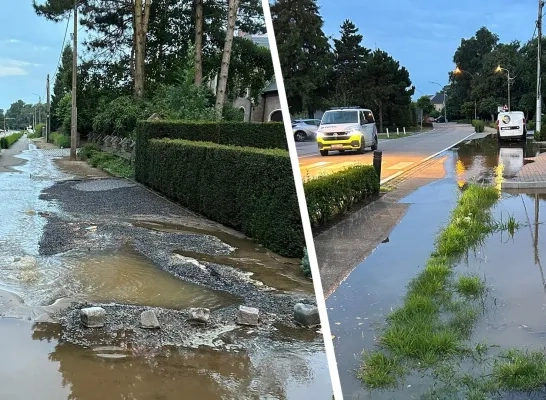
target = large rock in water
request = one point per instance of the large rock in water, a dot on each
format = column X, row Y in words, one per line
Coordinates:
column 199, row 315
column 93, row 317
column 248, row 316
column 306, row 314
column 148, row 320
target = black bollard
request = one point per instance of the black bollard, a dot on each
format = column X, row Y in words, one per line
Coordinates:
column 377, row 160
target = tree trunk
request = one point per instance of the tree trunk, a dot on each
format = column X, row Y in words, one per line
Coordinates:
column 141, row 17
column 226, row 57
column 380, row 117
column 198, row 62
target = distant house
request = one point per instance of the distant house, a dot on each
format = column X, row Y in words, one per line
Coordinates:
column 269, row 106
column 438, row 100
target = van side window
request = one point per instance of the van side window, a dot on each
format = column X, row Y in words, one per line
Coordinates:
column 369, row 117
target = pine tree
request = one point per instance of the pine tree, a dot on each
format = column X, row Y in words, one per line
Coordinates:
column 304, row 53
column 349, row 63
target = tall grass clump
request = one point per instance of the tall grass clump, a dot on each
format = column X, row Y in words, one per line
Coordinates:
column 432, row 322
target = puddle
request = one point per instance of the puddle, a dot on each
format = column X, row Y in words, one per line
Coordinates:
column 63, row 371
column 510, row 265
column 272, row 270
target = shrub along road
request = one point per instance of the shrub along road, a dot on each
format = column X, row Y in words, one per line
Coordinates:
column 398, row 155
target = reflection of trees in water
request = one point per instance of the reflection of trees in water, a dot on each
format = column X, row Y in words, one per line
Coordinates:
column 266, row 369
column 198, row 374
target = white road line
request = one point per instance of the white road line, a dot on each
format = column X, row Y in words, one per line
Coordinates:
column 315, row 165
column 425, row 160
column 401, row 165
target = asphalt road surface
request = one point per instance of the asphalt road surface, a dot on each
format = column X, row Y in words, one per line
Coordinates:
column 399, row 155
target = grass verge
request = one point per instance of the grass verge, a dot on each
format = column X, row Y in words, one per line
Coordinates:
column 432, row 323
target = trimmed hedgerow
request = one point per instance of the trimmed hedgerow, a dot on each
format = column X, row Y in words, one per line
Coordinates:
column 249, row 189
column 334, row 194
column 269, row 135
column 7, row 141
column 478, row 125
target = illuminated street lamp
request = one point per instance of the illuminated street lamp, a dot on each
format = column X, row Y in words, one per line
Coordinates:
column 459, row 71
column 500, row 69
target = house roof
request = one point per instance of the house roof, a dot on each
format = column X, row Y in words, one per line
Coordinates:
column 438, row 98
column 272, row 87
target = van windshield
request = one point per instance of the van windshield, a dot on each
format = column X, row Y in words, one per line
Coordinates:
column 340, row 117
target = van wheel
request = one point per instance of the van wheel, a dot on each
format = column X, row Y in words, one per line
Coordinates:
column 375, row 145
column 362, row 147
column 324, row 152
column 524, row 136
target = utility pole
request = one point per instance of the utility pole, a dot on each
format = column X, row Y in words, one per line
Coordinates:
column 73, row 132
column 40, row 110
column 538, row 117
column 48, row 120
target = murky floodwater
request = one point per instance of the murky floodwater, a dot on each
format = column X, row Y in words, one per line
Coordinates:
column 511, row 266
column 247, row 256
column 277, row 365
column 270, row 369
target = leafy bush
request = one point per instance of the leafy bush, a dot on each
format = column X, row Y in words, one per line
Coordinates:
column 88, row 150
column 111, row 163
column 478, row 125
column 540, row 136
column 305, row 264
column 531, row 125
column 58, row 139
column 249, row 189
column 7, row 141
column 119, row 117
column 268, row 135
column 37, row 131
column 331, row 195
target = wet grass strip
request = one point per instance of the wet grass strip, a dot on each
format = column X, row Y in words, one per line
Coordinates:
column 438, row 312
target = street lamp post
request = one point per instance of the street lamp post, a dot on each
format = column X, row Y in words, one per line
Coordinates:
column 499, row 69
column 445, row 96
column 460, row 71
column 421, row 109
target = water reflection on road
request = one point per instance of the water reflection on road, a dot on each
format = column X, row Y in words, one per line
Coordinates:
column 359, row 307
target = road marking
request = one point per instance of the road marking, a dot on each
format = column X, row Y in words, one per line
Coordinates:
column 344, row 165
column 401, row 165
column 387, row 179
column 315, row 165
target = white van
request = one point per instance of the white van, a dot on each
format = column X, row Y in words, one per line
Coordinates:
column 511, row 125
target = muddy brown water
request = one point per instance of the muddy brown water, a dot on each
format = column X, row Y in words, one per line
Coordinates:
column 272, row 270
column 513, row 268
column 36, row 365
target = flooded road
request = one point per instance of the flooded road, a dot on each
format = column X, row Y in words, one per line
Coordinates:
column 102, row 261
column 516, row 303
column 37, row 366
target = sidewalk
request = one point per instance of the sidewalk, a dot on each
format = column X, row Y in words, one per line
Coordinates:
column 531, row 176
column 342, row 247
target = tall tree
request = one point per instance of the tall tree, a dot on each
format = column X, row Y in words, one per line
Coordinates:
column 226, row 56
column 304, row 53
column 141, row 17
column 198, row 66
column 349, row 62
column 387, row 84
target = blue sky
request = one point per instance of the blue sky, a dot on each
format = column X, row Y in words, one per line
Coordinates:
column 29, row 49
column 424, row 34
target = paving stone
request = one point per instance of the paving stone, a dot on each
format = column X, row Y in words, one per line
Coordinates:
column 306, row 314
column 199, row 314
column 93, row 317
column 148, row 320
column 248, row 316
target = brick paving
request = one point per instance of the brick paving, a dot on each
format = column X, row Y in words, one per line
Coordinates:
column 534, row 171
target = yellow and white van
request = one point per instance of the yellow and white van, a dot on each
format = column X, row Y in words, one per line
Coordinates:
column 511, row 125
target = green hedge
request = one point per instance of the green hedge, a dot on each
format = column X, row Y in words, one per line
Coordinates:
column 478, row 125
column 331, row 195
column 7, row 141
column 531, row 125
column 58, row 139
column 249, row 189
column 266, row 136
